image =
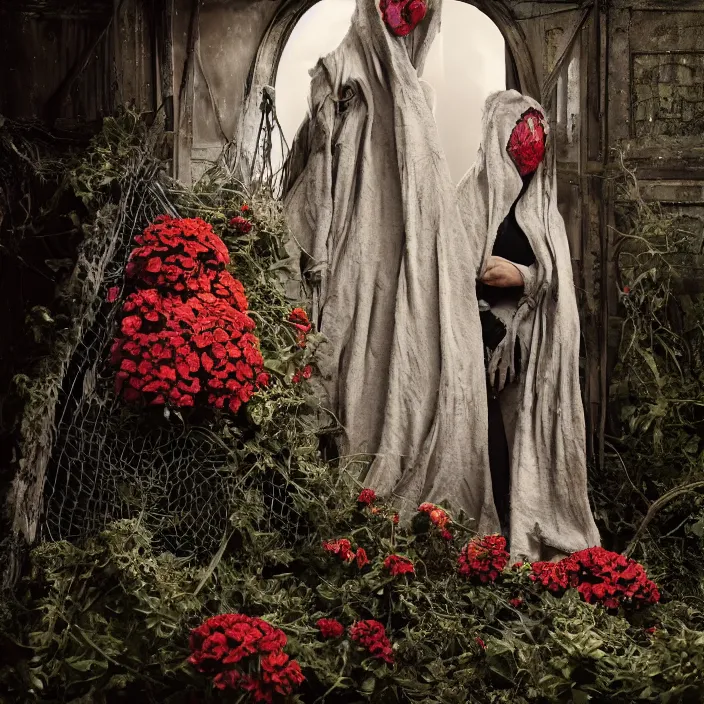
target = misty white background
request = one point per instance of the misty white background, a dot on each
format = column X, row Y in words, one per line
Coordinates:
column 465, row 65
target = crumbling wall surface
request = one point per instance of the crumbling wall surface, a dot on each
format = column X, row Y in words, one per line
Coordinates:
column 655, row 116
column 212, row 76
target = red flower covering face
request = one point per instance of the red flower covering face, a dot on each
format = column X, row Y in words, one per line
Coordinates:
column 402, row 16
column 526, row 146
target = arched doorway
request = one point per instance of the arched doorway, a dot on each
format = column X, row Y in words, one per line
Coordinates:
column 520, row 71
column 467, row 62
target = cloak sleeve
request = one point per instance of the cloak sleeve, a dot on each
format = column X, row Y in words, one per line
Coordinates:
column 528, row 274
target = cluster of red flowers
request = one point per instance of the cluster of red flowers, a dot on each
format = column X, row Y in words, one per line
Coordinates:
column 245, row 653
column 398, row 564
column 600, row 576
column 371, row 635
column 366, row 497
column 483, row 558
column 184, row 255
column 526, row 146
column 438, row 517
column 299, row 319
column 551, row 575
column 185, row 336
column 330, row 628
column 402, row 16
column 343, row 549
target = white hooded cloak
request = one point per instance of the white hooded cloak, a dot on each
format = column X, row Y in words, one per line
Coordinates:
column 543, row 412
column 391, row 272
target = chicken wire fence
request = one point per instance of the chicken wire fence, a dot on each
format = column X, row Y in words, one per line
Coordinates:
column 111, row 462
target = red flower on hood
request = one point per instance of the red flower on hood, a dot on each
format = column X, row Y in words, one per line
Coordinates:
column 526, row 146
column 402, row 16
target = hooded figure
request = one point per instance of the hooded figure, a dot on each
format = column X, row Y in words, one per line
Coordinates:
column 390, row 271
column 531, row 330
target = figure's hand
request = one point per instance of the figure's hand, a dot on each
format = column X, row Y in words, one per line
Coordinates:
column 502, row 273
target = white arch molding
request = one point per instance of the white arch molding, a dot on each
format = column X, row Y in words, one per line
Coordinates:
column 520, row 70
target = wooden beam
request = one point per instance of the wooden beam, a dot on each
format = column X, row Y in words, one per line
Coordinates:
column 166, row 60
column 546, row 91
column 186, row 99
column 52, row 108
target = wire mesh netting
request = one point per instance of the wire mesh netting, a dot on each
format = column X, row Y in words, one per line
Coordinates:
column 111, row 464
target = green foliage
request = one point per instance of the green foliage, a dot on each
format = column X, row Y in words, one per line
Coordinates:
column 656, row 395
column 112, row 616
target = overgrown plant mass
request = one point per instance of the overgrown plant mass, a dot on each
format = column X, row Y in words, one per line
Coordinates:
column 313, row 591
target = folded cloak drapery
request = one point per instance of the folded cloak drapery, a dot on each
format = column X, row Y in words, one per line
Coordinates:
column 549, row 499
column 372, row 206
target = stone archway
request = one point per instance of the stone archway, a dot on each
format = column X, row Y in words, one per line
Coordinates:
column 266, row 62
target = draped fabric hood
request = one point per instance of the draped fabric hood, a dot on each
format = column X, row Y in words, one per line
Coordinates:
column 549, row 498
column 390, row 271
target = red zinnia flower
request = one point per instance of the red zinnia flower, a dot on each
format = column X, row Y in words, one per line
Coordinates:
column 483, row 558
column 330, row 628
column 341, row 547
column 438, row 517
column 367, row 497
column 371, row 635
column 362, row 558
column 397, row 565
